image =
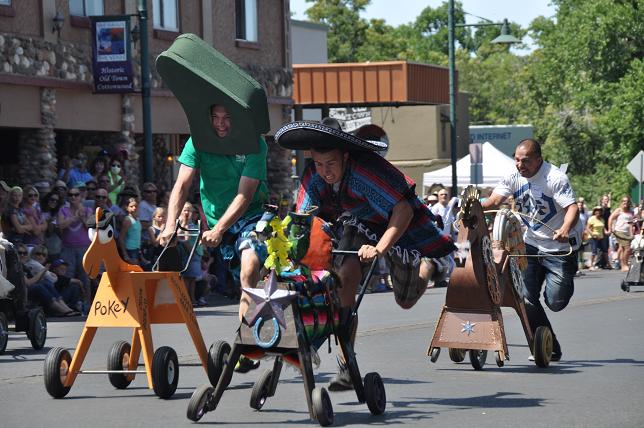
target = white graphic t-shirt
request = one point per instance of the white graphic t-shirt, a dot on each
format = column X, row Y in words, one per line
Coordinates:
column 542, row 197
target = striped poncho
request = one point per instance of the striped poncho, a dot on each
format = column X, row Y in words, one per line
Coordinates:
column 370, row 188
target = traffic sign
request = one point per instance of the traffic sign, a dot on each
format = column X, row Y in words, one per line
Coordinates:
column 636, row 166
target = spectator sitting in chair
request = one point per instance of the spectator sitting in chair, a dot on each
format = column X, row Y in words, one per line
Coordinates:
column 40, row 286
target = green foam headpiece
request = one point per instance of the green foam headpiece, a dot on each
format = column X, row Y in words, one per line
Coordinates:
column 200, row 77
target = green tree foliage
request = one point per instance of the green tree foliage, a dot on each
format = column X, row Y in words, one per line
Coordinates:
column 587, row 85
column 582, row 87
column 347, row 31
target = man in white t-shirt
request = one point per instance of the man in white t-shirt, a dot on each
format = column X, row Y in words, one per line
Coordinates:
column 545, row 199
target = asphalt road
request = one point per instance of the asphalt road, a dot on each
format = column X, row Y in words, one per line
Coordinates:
column 598, row 383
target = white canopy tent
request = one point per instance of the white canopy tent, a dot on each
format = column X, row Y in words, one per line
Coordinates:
column 496, row 165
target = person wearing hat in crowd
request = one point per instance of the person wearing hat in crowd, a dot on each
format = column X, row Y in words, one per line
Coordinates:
column 75, row 170
column 228, row 112
column 70, row 289
column 597, row 230
column 374, row 209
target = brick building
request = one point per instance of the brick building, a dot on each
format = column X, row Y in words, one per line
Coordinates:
column 47, row 106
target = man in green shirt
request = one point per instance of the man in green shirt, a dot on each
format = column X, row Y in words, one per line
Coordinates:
column 233, row 192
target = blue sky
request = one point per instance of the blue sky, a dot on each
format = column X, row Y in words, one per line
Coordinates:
column 521, row 12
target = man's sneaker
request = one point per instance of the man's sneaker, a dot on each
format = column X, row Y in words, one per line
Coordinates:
column 244, row 365
column 342, row 380
column 553, row 357
column 380, row 288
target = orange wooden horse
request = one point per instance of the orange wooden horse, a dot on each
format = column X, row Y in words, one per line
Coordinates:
column 127, row 297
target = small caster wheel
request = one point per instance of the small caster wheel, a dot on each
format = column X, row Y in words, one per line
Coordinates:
column 542, row 346
column 57, row 364
column 457, row 355
column 261, row 390
column 165, row 372
column 477, row 358
column 374, row 392
column 626, row 287
column 119, row 359
column 198, row 405
column 433, row 357
column 37, row 331
column 499, row 360
column 322, row 407
column 217, row 360
column 4, row 332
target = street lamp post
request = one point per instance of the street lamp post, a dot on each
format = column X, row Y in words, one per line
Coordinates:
column 145, row 91
column 504, row 38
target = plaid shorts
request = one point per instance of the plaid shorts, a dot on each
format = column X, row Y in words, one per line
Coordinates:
column 239, row 237
column 404, row 264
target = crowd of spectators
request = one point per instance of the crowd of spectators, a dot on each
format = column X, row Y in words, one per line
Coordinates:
column 608, row 232
column 47, row 223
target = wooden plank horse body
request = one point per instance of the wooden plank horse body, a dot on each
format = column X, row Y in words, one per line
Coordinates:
column 126, row 297
column 487, row 277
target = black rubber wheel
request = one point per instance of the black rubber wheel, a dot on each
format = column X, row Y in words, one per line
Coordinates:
column 322, row 407
column 374, row 392
column 217, row 356
column 477, row 358
column 433, row 357
column 118, row 358
column 457, row 355
column 626, row 287
column 4, row 332
column 261, row 390
column 499, row 360
column 37, row 332
column 197, row 405
column 165, row 372
column 56, row 367
column 542, row 351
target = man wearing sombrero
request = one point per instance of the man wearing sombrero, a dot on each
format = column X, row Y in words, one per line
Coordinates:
column 374, row 210
column 227, row 112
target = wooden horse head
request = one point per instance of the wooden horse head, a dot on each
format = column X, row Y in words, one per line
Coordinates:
column 478, row 272
column 103, row 248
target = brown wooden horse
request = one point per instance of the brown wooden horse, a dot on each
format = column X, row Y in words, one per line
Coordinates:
column 486, row 278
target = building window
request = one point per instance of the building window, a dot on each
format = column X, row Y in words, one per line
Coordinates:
column 165, row 15
column 246, row 20
column 5, row 2
column 85, row 7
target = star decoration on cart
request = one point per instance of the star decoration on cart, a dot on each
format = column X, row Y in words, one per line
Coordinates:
column 468, row 327
column 269, row 301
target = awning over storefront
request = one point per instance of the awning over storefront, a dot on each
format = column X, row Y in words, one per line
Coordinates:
column 390, row 83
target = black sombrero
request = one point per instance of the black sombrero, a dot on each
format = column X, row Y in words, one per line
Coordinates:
column 313, row 135
column 200, row 76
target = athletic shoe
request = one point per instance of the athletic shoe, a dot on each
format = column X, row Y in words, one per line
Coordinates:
column 553, row 357
column 342, row 380
column 244, row 365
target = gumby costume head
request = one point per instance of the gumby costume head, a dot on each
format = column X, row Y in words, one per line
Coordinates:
column 200, row 77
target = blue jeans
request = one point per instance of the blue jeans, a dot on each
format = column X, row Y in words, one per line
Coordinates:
column 558, row 274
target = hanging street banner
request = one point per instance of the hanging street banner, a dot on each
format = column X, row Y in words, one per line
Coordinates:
column 111, row 56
